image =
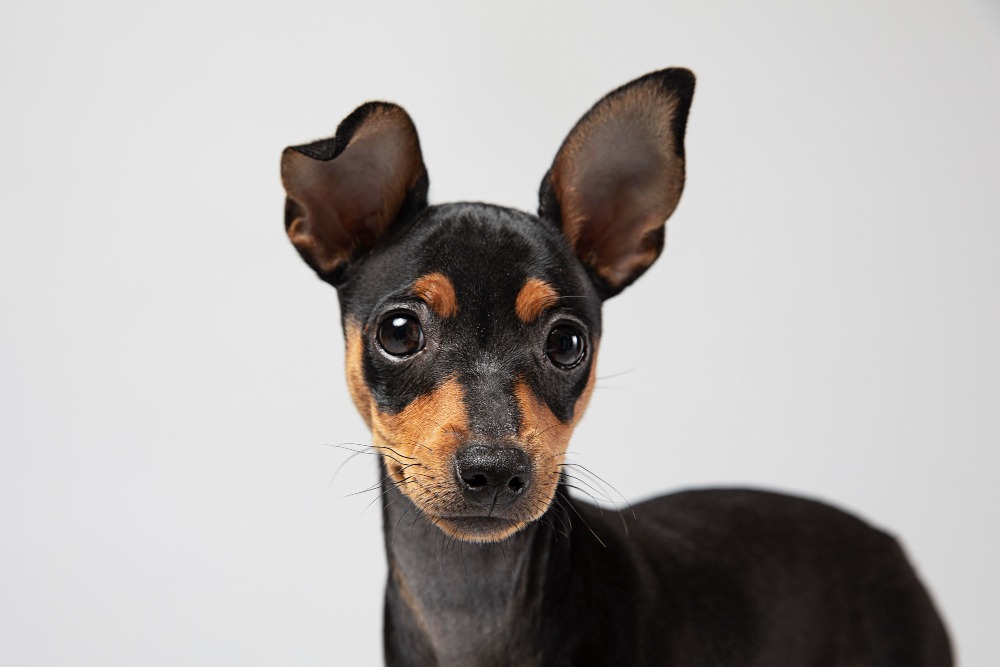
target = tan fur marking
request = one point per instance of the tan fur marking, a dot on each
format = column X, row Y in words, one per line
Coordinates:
column 533, row 299
column 436, row 290
column 356, row 384
column 423, row 437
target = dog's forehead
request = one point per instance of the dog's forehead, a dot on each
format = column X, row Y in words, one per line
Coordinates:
column 475, row 256
column 481, row 244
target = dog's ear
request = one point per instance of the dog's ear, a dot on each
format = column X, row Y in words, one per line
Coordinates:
column 618, row 176
column 345, row 192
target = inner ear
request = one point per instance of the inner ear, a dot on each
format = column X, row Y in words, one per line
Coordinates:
column 343, row 193
column 619, row 175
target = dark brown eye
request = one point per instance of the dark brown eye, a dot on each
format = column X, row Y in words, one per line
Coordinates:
column 400, row 335
column 566, row 346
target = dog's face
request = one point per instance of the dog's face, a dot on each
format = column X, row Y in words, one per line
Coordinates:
column 472, row 330
column 448, row 352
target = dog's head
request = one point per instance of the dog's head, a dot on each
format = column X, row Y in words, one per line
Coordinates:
column 472, row 330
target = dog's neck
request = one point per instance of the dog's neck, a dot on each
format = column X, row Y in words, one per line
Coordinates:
column 466, row 603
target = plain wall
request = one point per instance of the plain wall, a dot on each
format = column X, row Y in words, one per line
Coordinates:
column 825, row 319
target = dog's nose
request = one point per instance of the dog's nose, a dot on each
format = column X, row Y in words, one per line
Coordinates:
column 492, row 476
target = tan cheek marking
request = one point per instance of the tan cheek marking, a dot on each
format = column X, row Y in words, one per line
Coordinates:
column 356, row 384
column 436, row 290
column 534, row 297
column 546, row 438
column 427, row 433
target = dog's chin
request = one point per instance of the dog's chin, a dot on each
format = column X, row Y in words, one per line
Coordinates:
column 481, row 529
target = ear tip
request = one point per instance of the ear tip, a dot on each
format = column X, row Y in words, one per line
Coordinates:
column 321, row 149
column 678, row 74
column 678, row 84
column 678, row 81
column 369, row 109
column 329, row 148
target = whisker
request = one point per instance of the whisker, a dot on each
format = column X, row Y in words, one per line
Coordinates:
column 374, row 500
column 409, row 509
column 343, row 463
column 586, row 493
column 402, row 456
column 619, row 507
column 591, row 487
column 587, row 525
column 618, row 374
column 561, row 514
column 381, row 495
column 618, row 512
column 590, row 472
column 370, row 488
column 385, row 437
column 415, row 443
column 362, row 451
column 558, row 516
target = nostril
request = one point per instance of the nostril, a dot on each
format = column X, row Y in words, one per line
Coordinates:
column 515, row 484
column 476, row 481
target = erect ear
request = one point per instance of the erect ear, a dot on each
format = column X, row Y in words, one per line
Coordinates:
column 618, row 176
column 345, row 192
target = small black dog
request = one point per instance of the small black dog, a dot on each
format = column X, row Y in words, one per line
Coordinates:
column 472, row 335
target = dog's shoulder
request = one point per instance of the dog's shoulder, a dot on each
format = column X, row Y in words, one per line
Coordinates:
column 760, row 522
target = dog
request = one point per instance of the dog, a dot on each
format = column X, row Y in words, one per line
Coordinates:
column 472, row 334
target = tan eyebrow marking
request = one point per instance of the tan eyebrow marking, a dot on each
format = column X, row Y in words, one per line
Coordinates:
column 534, row 297
column 436, row 290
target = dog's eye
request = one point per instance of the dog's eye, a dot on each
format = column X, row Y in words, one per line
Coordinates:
column 566, row 346
column 400, row 335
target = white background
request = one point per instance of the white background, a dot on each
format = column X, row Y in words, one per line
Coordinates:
column 825, row 319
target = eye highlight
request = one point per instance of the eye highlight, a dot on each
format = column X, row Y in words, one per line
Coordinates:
column 566, row 346
column 400, row 335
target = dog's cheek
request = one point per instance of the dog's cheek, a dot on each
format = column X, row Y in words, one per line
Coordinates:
column 423, row 437
column 354, row 359
column 546, row 439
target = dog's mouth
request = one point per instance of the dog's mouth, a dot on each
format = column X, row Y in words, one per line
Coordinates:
column 471, row 513
column 478, row 528
column 479, row 494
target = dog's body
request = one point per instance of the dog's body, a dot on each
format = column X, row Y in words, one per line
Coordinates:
column 472, row 333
